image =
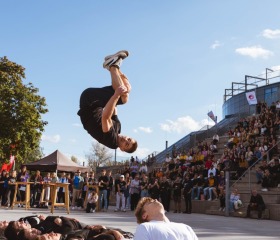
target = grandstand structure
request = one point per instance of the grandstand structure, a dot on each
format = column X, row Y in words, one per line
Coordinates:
column 235, row 107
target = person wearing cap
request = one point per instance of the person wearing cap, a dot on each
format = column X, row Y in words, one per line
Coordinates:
column 98, row 110
column 121, row 186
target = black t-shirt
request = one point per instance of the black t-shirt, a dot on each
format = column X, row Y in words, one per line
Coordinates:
column 92, row 122
column 144, row 185
column 122, row 185
column 177, row 186
column 105, row 179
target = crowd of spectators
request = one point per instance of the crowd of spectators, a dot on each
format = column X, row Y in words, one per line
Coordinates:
column 186, row 174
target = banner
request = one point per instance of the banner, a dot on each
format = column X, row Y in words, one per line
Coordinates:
column 212, row 116
column 251, row 98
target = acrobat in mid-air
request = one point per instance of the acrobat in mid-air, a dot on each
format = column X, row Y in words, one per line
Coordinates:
column 98, row 110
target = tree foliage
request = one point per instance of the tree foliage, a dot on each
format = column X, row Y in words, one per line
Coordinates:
column 99, row 155
column 74, row 159
column 21, row 107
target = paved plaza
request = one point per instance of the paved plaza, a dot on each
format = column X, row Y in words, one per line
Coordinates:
column 205, row 226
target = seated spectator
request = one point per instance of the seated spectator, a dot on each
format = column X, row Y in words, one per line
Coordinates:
column 155, row 225
column 267, row 181
column 256, row 203
column 211, row 188
column 198, row 187
column 275, row 171
column 143, row 168
column 92, row 201
column 242, row 165
column 212, row 170
column 215, row 139
column 260, row 171
column 235, row 202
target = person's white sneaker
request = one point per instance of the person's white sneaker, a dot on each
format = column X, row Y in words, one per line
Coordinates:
column 264, row 190
column 210, row 199
column 123, row 210
column 91, row 210
column 115, row 59
column 123, row 54
column 116, row 210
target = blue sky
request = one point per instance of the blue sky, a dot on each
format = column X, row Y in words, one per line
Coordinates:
column 183, row 54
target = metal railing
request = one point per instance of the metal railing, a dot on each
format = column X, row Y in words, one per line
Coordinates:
column 203, row 134
column 253, row 165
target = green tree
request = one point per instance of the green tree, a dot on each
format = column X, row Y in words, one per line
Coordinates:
column 99, row 155
column 74, row 159
column 21, row 125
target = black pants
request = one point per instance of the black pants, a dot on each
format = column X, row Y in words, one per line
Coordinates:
column 259, row 208
column 165, row 200
column 222, row 201
column 188, row 202
column 134, row 198
column 89, row 206
column 61, row 195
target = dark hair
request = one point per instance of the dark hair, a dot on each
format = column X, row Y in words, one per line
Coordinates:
column 133, row 148
column 11, row 231
column 21, row 235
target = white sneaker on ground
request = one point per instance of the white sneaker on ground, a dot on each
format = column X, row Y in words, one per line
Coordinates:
column 90, row 210
column 123, row 210
column 93, row 210
column 116, row 210
column 210, row 199
column 73, row 208
column 264, row 190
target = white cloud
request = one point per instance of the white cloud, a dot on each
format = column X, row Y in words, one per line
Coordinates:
column 142, row 152
column 52, row 139
column 183, row 125
column 143, row 129
column 77, row 125
column 216, row 44
column 271, row 34
column 254, row 52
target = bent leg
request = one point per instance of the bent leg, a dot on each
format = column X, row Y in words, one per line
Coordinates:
column 119, row 79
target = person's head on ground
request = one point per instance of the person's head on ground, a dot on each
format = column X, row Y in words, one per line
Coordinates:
column 3, row 226
column 14, row 227
column 49, row 236
column 28, row 234
column 127, row 144
column 149, row 209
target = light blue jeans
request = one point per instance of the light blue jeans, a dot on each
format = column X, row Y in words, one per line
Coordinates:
column 103, row 196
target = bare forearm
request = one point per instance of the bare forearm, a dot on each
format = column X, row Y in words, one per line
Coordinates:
column 110, row 107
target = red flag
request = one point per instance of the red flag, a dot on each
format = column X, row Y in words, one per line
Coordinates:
column 8, row 166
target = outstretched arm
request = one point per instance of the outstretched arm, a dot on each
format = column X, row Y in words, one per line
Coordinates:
column 109, row 109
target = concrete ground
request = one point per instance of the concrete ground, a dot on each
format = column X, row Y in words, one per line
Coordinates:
column 208, row 227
